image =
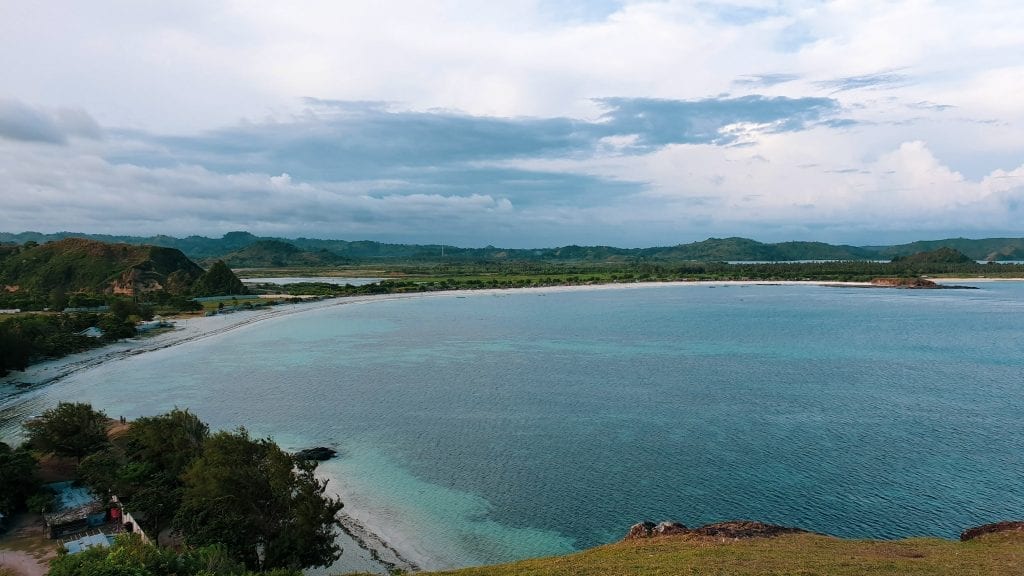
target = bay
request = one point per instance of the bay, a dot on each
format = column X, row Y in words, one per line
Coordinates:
column 495, row 426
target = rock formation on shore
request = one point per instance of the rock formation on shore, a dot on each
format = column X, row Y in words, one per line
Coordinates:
column 734, row 529
column 740, row 529
column 972, row 533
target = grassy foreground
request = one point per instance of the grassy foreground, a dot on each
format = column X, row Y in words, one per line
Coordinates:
column 791, row 554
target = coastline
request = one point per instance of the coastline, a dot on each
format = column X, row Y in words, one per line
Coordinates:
column 386, row 554
column 199, row 328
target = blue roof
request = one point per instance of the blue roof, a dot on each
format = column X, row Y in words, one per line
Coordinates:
column 70, row 497
column 86, row 542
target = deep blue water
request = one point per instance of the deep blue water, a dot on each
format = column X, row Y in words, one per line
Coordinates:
column 494, row 427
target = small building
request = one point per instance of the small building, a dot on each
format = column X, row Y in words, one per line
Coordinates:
column 156, row 323
column 92, row 332
column 75, row 509
column 91, row 541
column 10, row 311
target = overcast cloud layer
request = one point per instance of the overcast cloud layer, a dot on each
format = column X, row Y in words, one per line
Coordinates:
column 520, row 123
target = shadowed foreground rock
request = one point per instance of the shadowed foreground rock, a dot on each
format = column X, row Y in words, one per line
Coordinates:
column 733, row 529
column 972, row 533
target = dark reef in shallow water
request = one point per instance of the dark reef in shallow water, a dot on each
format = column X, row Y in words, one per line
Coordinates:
column 319, row 453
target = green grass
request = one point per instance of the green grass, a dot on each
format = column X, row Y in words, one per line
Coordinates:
column 790, row 555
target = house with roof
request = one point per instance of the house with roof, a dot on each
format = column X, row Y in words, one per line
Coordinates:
column 75, row 509
column 96, row 540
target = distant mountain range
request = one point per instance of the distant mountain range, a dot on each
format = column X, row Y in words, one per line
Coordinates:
column 244, row 250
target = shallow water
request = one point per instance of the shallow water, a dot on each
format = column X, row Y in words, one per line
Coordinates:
column 494, row 427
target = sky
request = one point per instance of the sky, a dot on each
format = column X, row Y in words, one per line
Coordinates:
column 515, row 123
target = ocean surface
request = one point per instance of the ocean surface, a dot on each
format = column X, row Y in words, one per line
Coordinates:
column 496, row 426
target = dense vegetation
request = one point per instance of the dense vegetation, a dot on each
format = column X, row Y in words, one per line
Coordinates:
column 314, row 252
column 535, row 274
column 276, row 253
column 131, row 557
column 107, row 286
column 76, row 272
column 70, row 429
column 25, row 338
column 943, row 255
column 219, row 280
column 80, row 265
column 18, row 480
column 257, row 505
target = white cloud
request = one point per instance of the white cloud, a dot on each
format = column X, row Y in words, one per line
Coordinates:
column 950, row 165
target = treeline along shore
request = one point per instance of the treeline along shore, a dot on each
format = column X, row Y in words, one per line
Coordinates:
column 74, row 294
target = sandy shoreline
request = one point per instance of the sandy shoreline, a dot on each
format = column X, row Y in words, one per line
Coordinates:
column 374, row 549
column 192, row 329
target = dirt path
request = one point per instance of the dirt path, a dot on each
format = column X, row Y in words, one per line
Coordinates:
column 24, row 550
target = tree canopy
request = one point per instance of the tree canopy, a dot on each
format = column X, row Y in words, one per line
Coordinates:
column 266, row 508
column 263, row 507
column 70, row 429
column 219, row 280
column 131, row 557
column 18, row 478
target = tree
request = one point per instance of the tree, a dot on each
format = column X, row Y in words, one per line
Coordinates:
column 158, row 450
column 15, row 350
column 103, row 472
column 70, row 429
column 130, row 556
column 267, row 509
column 170, row 442
column 18, row 478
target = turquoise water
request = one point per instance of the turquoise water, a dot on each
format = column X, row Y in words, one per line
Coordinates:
column 495, row 427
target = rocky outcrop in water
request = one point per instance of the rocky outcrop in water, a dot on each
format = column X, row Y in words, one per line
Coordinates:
column 640, row 530
column 972, row 533
column 669, row 528
column 734, row 529
column 319, row 453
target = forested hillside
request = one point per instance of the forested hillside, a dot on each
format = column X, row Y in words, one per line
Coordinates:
column 244, row 250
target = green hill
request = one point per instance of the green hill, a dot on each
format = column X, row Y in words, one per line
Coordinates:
column 992, row 249
column 279, row 254
column 219, row 280
column 942, row 255
column 242, row 249
column 80, row 265
column 996, row 554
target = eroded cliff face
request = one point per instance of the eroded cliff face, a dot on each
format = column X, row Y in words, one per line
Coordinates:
column 135, row 281
column 1010, row 526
